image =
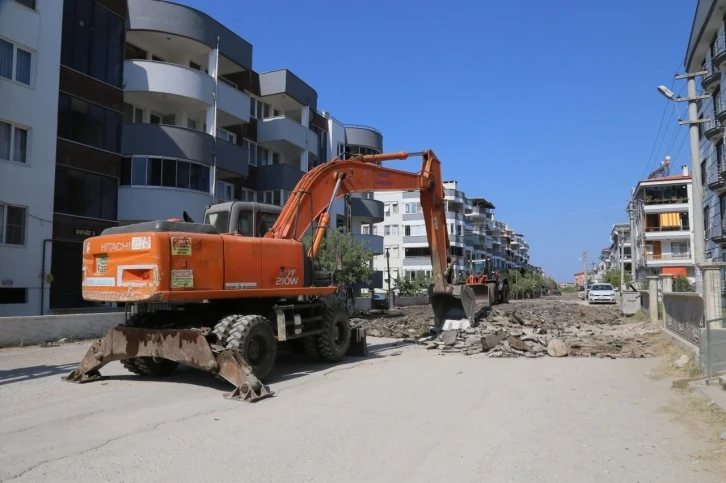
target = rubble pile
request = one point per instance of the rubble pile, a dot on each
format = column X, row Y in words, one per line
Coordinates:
column 538, row 328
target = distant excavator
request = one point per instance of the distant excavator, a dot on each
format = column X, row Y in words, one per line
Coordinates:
column 489, row 287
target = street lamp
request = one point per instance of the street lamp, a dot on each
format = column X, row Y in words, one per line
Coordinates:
column 388, row 263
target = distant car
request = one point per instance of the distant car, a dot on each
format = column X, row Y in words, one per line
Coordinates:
column 601, row 293
column 379, row 302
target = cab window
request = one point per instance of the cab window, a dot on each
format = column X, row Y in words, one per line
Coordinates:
column 244, row 223
column 220, row 220
column 265, row 222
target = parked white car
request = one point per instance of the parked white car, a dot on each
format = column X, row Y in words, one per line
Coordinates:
column 601, row 293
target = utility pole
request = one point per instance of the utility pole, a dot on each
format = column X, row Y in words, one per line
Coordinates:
column 391, row 302
column 584, row 264
column 633, row 239
column 699, row 250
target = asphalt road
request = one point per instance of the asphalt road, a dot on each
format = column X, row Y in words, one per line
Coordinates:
column 402, row 415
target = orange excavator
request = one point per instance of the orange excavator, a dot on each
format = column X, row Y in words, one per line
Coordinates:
column 220, row 295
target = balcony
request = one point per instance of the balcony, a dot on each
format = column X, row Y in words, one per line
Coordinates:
column 373, row 243
column 179, row 142
column 713, row 130
column 416, row 239
column 189, row 88
column 287, row 135
column 278, row 176
column 417, row 262
column 667, row 233
column 712, row 79
column 720, row 110
column 719, row 59
column 455, row 195
column 717, row 232
column 287, row 91
column 370, row 211
column 715, row 179
column 667, row 259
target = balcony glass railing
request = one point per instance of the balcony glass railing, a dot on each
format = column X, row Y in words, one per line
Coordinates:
column 667, row 256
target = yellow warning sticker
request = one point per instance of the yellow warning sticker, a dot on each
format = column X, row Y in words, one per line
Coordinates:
column 181, row 245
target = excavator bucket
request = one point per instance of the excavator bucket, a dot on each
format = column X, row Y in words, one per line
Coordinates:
column 482, row 294
column 189, row 347
column 456, row 310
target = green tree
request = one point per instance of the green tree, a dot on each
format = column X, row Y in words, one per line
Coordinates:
column 682, row 284
column 411, row 288
column 345, row 255
column 612, row 277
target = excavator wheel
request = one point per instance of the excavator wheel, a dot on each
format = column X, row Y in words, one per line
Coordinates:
column 334, row 341
column 147, row 366
column 252, row 337
column 310, row 347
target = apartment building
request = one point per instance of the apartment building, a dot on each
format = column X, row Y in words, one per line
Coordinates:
column 157, row 110
column 605, row 260
column 707, row 52
column 474, row 234
column 663, row 234
column 621, row 246
column 29, row 76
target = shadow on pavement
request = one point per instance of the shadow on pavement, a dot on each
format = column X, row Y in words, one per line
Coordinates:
column 21, row 374
column 289, row 365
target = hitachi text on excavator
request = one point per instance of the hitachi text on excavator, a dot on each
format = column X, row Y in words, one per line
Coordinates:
column 220, row 295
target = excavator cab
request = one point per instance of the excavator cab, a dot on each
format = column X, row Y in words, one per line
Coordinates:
column 246, row 218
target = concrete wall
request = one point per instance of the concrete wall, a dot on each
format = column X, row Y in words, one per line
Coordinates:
column 408, row 301
column 717, row 352
column 15, row 331
column 35, row 108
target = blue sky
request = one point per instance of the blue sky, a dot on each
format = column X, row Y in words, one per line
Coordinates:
column 549, row 111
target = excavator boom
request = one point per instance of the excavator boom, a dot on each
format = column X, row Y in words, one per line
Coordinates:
column 317, row 190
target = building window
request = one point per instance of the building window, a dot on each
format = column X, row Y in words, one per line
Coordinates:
column 133, row 114
column 412, row 208
column 392, row 251
column 13, row 143
column 164, row 172
column 273, row 197
column 95, row 45
column 87, row 123
column 28, row 3
column 248, row 195
column 12, row 224
column 390, row 230
column 13, row 296
column 251, row 147
column 134, row 53
column 224, row 191
column 262, row 110
column 15, row 62
column 226, row 135
column 82, row 193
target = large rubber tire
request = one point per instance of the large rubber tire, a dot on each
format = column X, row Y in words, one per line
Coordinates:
column 334, row 341
column 147, row 366
column 310, row 347
column 505, row 294
column 222, row 328
column 253, row 338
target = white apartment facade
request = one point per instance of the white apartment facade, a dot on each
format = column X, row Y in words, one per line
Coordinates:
column 30, row 32
column 663, row 229
column 474, row 234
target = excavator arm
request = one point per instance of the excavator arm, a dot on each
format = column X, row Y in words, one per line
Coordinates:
column 320, row 187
